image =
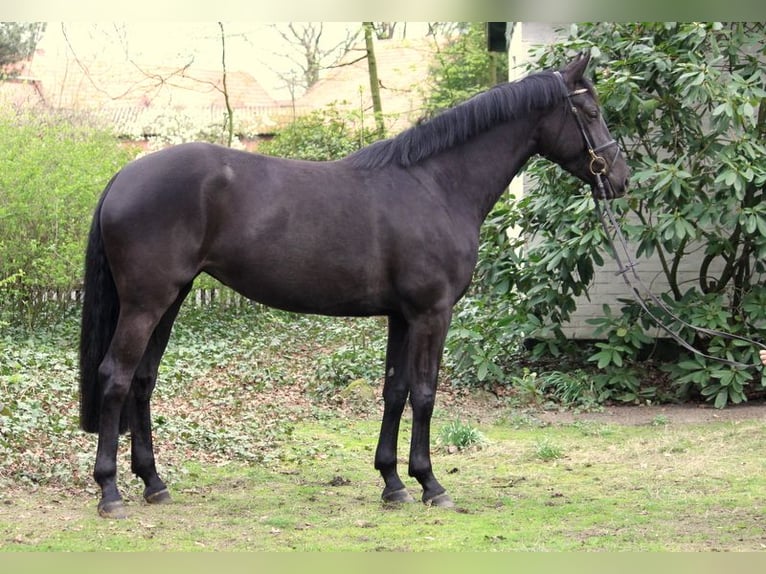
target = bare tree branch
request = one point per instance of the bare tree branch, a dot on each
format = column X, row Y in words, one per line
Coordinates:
column 384, row 30
column 160, row 79
column 315, row 54
column 349, row 63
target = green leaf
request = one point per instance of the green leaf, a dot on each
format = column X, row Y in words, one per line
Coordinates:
column 481, row 372
column 721, row 398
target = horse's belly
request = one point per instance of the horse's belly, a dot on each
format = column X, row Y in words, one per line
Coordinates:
column 310, row 289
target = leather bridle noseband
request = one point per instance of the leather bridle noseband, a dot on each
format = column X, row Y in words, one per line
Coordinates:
column 599, row 168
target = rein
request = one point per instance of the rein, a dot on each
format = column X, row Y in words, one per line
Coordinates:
column 599, row 168
column 628, row 271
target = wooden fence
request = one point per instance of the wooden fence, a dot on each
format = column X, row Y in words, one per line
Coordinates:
column 201, row 297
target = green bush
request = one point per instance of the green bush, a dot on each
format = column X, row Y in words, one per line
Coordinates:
column 463, row 68
column 361, row 358
column 687, row 103
column 52, row 171
column 322, row 135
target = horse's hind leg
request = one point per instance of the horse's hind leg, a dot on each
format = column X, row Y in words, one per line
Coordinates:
column 144, row 381
column 116, row 374
column 135, row 326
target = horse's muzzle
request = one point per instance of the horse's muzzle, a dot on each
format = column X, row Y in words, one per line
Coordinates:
column 608, row 187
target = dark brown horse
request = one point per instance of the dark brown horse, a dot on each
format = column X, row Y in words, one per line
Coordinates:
column 391, row 230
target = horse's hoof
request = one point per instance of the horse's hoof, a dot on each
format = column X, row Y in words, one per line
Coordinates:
column 400, row 496
column 442, row 500
column 159, row 497
column 114, row 509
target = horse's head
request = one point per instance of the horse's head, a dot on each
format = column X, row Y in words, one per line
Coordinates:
column 578, row 139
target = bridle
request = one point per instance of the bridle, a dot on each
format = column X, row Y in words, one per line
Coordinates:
column 599, row 168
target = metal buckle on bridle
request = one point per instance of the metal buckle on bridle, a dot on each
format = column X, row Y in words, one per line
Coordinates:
column 598, row 168
column 597, row 163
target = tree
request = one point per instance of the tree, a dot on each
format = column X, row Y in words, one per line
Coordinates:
column 170, row 126
column 463, row 68
column 316, row 53
column 444, row 29
column 17, row 43
column 229, row 111
column 387, row 30
column 52, row 170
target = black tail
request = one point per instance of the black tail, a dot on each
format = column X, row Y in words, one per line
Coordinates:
column 100, row 310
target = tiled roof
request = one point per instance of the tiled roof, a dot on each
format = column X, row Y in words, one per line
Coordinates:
column 142, row 122
column 136, row 99
column 402, row 68
column 133, row 98
column 88, row 85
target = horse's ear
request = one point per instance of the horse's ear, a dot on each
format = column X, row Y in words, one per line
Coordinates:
column 575, row 69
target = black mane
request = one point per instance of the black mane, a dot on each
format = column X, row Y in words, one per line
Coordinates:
column 499, row 104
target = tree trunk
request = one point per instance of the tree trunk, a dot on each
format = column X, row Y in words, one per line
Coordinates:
column 229, row 111
column 372, row 65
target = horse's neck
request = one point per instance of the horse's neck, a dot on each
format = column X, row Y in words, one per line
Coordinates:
column 479, row 170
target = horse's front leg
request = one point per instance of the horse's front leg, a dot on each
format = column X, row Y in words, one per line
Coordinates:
column 395, row 392
column 426, row 345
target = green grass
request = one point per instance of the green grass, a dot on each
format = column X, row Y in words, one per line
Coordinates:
column 628, row 489
column 546, row 450
column 461, row 435
column 256, row 461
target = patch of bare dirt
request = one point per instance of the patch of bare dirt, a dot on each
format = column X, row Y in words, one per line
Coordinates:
column 648, row 414
column 480, row 405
